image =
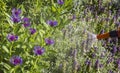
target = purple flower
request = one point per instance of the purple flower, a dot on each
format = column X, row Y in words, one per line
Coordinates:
column 110, row 71
column 12, row 37
column 38, row 50
column 49, row 41
column 15, row 19
column 16, row 12
column 96, row 64
column 26, row 22
column 114, row 50
column 32, row 30
column 16, row 60
column 60, row 2
column 87, row 62
column 52, row 23
column 26, row 25
column 118, row 63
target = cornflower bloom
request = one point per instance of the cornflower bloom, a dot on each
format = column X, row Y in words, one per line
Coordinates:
column 15, row 15
column 16, row 12
column 38, row 50
column 26, row 22
column 49, row 41
column 16, row 60
column 15, row 19
column 52, row 23
column 12, row 37
column 32, row 30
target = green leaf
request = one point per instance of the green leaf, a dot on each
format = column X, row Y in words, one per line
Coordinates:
column 6, row 65
column 52, row 51
column 5, row 49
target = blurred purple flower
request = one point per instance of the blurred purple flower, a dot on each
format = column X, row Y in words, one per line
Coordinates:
column 26, row 22
column 60, row 2
column 38, row 50
column 110, row 71
column 96, row 64
column 26, row 25
column 110, row 60
column 52, row 23
column 15, row 19
column 118, row 63
column 16, row 60
column 49, row 41
column 32, row 30
column 87, row 62
column 114, row 50
column 93, row 55
column 16, row 12
column 12, row 37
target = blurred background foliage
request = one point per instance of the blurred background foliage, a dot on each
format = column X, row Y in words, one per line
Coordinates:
column 67, row 55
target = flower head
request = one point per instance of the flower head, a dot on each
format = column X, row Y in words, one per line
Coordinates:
column 26, row 22
column 38, row 50
column 49, row 41
column 60, row 2
column 16, row 12
column 12, row 37
column 32, row 30
column 52, row 23
column 15, row 19
column 16, row 60
column 26, row 25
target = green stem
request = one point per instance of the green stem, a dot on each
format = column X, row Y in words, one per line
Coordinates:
column 11, row 48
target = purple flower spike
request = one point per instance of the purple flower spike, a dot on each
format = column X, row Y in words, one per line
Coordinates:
column 12, row 37
column 87, row 62
column 16, row 60
column 32, row 30
column 15, row 19
column 38, row 50
column 52, row 23
column 118, row 63
column 16, row 12
column 60, row 2
column 49, row 41
column 96, row 64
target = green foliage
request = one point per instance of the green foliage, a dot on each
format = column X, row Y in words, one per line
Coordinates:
column 68, row 36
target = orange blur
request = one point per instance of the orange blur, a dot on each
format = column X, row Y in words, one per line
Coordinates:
column 103, row 36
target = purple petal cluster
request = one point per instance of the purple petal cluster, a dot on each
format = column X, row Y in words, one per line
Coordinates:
column 49, row 41
column 16, row 15
column 16, row 12
column 32, row 30
column 16, row 60
column 61, row 2
column 26, row 22
column 12, row 37
column 38, row 50
column 52, row 23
